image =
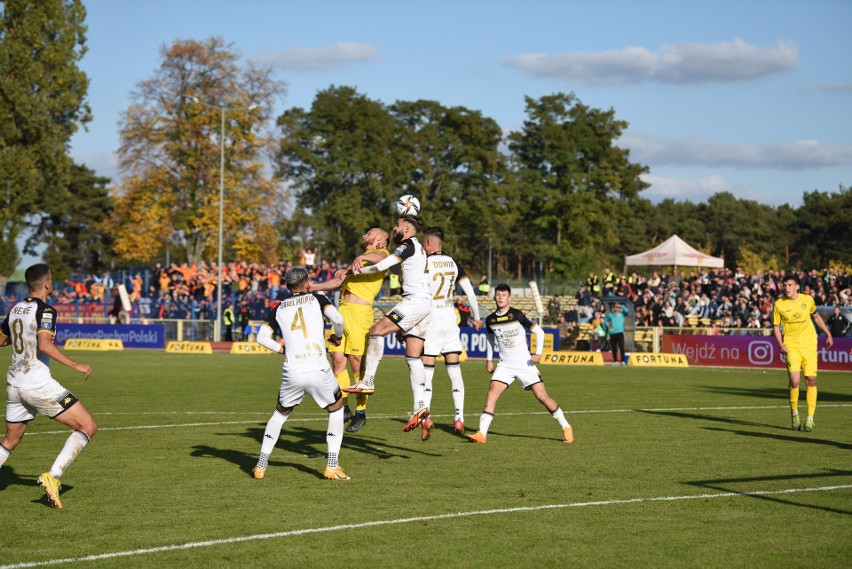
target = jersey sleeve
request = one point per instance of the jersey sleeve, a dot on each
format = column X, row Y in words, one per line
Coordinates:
column 522, row 318
column 405, row 250
column 46, row 319
column 776, row 315
column 323, row 300
column 811, row 305
column 272, row 322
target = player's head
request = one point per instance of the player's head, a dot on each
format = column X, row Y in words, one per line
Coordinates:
column 296, row 278
column 407, row 226
column 502, row 295
column 375, row 238
column 791, row 285
column 38, row 276
column 433, row 239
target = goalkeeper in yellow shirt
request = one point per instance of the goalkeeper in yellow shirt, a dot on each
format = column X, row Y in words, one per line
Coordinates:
column 794, row 330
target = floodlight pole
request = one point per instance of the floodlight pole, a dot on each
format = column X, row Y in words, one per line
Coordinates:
column 217, row 329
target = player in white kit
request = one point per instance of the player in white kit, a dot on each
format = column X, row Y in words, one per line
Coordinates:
column 29, row 329
column 442, row 330
column 306, row 369
column 507, row 333
column 414, row 307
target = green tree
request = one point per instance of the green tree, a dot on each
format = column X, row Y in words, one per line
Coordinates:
column 571, row 172
column 346, row 165
column 74, row 230
column 822, row 228
column 171, row 139
column 42, row 104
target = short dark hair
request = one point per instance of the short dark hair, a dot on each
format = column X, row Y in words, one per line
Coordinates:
column 414, row 220
column 35, row 275
column 434, row 231
column 792, row 277
column 295, row 276
column 503, row 287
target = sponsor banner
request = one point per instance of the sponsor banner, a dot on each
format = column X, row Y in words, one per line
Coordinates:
column 131, row 335
column 753, row 351
column 97, row 345
column 474, row 342
column 189, row 348
column 69, row 311
column 550, row 357
column 548, row 341
column 657, row 360
column 249, row 348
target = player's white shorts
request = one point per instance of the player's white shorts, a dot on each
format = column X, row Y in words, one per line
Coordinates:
column 320, row 385
column 410, row 311
column 50, row 399
column 527, row 374
column 442, row 339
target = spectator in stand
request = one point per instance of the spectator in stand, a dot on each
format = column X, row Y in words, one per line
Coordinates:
column 554, row 309
column 837, row 323
column 584, row 302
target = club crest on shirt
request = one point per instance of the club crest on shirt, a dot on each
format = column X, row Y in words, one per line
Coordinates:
column 46, row 325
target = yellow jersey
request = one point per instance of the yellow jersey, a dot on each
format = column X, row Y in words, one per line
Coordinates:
column 794, row 317
column 365, row 287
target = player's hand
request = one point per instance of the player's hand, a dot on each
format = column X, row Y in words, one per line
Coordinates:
column 829, row 341
column 334, row 340
column 489, row 366
column 341, row 273
column 536, row 358
column 400, row 337
column 357, row 264
column 783, row 348
column 85, row 369
column 477, row 324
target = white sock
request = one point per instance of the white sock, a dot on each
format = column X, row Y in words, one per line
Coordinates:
column 454, row 371
column 560, row 417
column 334, row 436
column 428, row 374
column 272, row 432
column 416, row 372
column 75, row 443
column 4, row 454
column 485, row 422
column 375, row 352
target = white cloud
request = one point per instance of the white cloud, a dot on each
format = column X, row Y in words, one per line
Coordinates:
column 724, row 62
column 837, row 87
column 320, row 59
column 701, row 189
column 103, row 163
column 687, row 151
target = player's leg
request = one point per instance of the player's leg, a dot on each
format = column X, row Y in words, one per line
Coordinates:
column 359, row 418
column 12, row 438
column 495, row 389
column 416, row 374
column 457, row 385
column 553, row 408
column 428, row 376
column 327, row 395
column 375, row 352
column 338, row 368
column 794, row 367
column 82, row 423
column 290, row 394
column 809, row 367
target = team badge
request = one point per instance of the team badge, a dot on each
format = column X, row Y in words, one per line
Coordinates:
column 46, row 325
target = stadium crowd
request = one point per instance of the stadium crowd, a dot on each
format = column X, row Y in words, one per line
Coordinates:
column 722, row 297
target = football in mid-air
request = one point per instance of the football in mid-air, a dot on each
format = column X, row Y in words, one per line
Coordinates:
column 407, row 205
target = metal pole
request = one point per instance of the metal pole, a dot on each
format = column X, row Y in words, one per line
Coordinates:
column 217, row 335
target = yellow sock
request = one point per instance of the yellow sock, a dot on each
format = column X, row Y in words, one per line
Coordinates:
column 360, row 398
column 811, row 394
column 794, row 398
column 343, row 381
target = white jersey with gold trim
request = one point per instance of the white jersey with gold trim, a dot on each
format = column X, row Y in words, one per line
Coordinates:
column 30, row 368
column 299, row 322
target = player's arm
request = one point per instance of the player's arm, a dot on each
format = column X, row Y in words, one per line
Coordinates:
column 266, row 332
column 265, row 339
column 331, row 284
column 5, row 333
column 370, row 258
column 489, row 352
column 776, row 329
column 829, row 341
column 464, row 283
column 383, row 265
column 47, row 347
column 539, row 342
column 336, row 320
column 4, row 340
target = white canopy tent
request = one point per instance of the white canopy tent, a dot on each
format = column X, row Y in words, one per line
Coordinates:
column 674, row 251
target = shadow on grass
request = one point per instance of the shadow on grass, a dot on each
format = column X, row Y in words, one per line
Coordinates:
column 778, row 393
column 723, row 485
column 726, row 420
column 245, row 461
column 799, row 438
column 9, row 478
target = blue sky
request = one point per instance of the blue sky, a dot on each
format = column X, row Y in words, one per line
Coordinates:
column 751, row 97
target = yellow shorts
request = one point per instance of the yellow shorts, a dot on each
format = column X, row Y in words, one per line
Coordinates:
column 802, row 359
column 357, row 321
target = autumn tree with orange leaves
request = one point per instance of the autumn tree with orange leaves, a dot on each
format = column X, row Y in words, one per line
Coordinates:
column 171, row 139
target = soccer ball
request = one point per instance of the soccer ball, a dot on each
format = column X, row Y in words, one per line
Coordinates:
column 407, row 205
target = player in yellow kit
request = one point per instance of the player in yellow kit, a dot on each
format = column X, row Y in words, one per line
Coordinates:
column 794, row 330
column 357, row 293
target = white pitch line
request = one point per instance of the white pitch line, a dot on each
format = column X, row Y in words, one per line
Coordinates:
column 324, row 417
column 298, row 532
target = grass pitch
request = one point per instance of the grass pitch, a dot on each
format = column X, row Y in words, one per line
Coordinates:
column 670, row 468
